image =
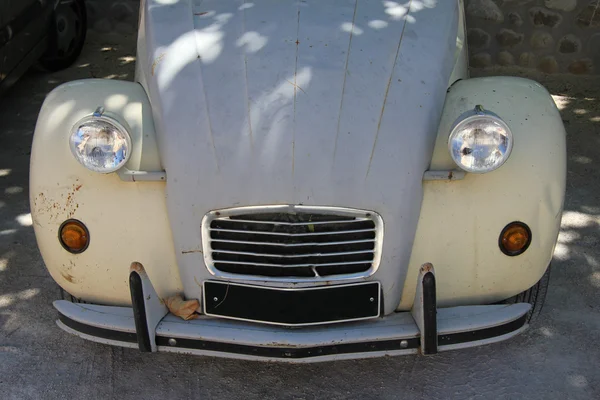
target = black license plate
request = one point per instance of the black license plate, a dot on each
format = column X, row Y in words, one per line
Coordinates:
column 292, row 306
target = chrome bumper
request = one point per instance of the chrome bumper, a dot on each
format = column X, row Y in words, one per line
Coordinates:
column 148, row 326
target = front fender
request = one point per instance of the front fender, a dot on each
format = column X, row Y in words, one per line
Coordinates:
column 127, row 221
column 461, row 220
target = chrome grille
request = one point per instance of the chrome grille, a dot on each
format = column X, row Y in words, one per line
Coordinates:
column 299, row 242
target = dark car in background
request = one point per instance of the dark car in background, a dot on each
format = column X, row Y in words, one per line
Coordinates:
column 51, row 32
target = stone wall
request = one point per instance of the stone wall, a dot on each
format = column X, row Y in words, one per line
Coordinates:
column 548, row 35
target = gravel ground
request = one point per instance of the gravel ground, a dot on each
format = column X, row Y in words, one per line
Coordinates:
column 557, row 359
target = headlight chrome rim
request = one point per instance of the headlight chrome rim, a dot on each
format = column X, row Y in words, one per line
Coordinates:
column 100, row 115
column 480, row 114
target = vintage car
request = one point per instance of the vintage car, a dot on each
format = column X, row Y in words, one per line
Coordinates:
column 51, row 32
column 299, row 181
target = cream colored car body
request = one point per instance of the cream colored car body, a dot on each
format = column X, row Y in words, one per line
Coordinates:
column 457, row 227
column 462, row 218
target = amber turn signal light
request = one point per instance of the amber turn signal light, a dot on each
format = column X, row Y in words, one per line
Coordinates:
column 74, row 236
column 515, row 238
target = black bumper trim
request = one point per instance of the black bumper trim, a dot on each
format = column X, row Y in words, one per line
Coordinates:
column 430, row 334
column 482, row 334
column 295, row 352
column 139, row 312
column 291, row 352
column 128, row 337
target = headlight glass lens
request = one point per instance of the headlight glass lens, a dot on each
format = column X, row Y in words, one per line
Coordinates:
column 100, row 144
column 480, row 143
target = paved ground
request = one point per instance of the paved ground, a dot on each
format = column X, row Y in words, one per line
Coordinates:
column 557, row 359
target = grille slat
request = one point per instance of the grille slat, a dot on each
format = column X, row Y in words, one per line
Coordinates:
column 250, row 221
column 296, row 250
column 291, row 265
column 291, row 228
column 292, row 234
column 294, row 244
column 293, row 249
column 306, row 255
column 278, row 237
column 311, row 260
column 268, row 271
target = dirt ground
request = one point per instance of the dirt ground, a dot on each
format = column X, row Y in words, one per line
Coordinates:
column 556, row 359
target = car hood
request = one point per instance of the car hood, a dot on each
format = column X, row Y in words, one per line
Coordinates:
column 297, row 102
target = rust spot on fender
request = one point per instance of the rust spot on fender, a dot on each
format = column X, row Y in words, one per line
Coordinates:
column 53, row 203
column 427, row 267
column 68, row 277
column 137, row 267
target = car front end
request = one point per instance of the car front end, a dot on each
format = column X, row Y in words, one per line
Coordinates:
column 318, row 189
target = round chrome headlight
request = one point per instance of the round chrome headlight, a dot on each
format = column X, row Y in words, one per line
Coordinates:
column 100, row 143
column 480, row 141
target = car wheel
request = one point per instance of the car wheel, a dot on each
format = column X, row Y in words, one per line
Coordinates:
column 535, row 295
column 66, row 35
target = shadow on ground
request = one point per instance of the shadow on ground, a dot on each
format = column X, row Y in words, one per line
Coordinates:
column 555, row 359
